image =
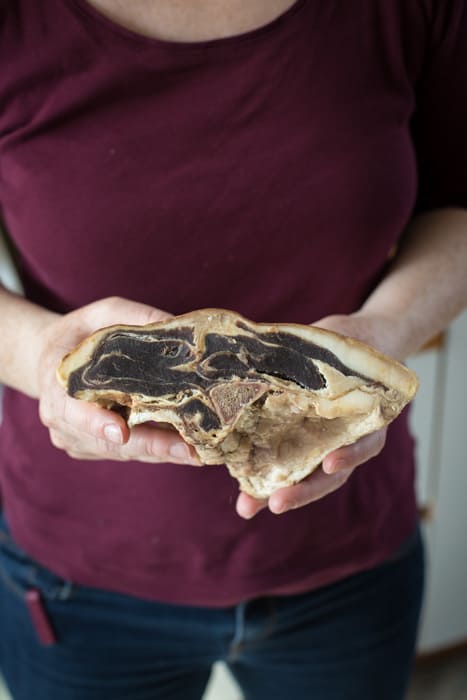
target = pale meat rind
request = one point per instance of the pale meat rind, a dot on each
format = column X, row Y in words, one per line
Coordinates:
column 268, row 400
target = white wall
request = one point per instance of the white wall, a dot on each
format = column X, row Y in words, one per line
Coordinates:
column 440, row 421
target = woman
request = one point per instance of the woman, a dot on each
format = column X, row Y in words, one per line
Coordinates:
column 260, row 156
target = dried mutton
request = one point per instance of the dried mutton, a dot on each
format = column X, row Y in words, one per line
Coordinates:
column 269, row 401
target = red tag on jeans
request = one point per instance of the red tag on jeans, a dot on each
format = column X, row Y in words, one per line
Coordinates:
column 41, row 622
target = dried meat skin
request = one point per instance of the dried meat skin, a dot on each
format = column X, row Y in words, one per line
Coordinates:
column 268, row 400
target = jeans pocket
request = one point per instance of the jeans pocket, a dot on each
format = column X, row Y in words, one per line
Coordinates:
column 22, row 574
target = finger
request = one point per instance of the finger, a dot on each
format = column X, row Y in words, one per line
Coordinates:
column 64, row 415
column 154, row 449
column 92, row 430
column 151, row 444
column 88, row 419
column 122, row 311
column 351, row 456
column 247, row 506
column 146, row 444
column 314, row 487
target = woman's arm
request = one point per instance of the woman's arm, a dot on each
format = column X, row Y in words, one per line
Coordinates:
column 424, row 289
column 21, row 326
column 426, row 286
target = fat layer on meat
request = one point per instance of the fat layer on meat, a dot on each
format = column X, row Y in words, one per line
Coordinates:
column 268, row 400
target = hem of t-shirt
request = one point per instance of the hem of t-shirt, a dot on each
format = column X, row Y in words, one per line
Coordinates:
column 213, row 592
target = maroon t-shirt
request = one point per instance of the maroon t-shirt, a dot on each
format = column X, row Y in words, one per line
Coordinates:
column 269, row 173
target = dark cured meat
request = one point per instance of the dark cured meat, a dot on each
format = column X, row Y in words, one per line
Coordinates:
column 269, row 401
column 155, row 363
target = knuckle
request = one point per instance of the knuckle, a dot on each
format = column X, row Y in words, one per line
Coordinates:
column 77, row 454
column 114, row 300
column 345, row 476
column 96, row 314
column 155, row 315
column 102, row 449
column 152, row 449
column 81, row 416
column 379, row 441
column 57, row 439
column 148, row 449
column 110, row 305
column 86, row 451
column 45, row 414
column 70, row 414
column 144, row 446
column 382, row 439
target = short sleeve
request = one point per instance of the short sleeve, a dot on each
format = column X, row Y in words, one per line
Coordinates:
column 440, row 120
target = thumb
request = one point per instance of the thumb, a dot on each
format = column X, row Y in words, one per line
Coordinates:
column 123, row 311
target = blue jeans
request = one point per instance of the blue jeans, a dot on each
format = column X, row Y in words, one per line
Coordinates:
column 352, row 640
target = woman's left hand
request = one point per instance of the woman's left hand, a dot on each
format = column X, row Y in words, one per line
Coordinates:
column 337, row 467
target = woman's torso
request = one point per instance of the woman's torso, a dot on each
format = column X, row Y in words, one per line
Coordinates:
column 269, row 172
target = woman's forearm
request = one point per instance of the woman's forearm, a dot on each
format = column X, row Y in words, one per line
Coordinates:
column 21, row 327
column 426, row 285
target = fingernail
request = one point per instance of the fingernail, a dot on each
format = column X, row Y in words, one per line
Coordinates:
column 278, row 508
column 113, row 434
column 180, row 451
column 332, row 467
column 244, row 513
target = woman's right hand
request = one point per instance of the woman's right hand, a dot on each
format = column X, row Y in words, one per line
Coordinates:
column 84, row 430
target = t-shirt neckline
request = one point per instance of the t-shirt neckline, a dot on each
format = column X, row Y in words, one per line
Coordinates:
column 171, row 45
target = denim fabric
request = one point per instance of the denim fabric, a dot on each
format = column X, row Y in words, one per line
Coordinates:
column 352, row 640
